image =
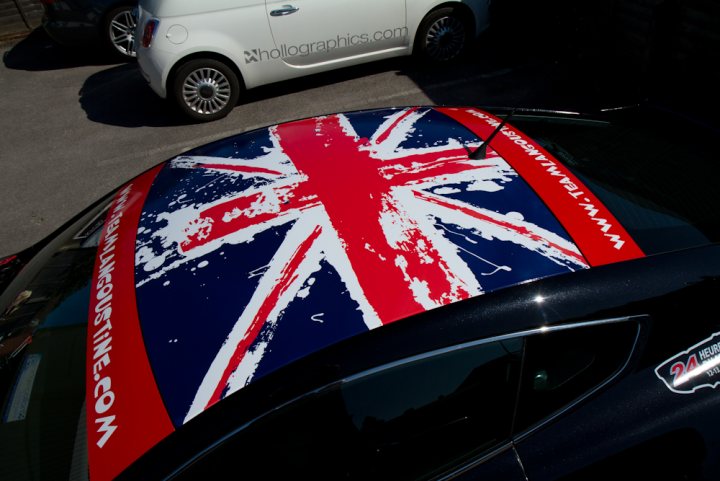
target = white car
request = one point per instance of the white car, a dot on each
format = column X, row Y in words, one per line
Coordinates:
column 203, row 54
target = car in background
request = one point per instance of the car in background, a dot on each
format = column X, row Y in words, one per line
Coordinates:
column 85, row 22
column 203, row 54
column 399, row 294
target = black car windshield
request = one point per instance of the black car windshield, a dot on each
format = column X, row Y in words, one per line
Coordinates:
column 657, row 173
column 43, row 338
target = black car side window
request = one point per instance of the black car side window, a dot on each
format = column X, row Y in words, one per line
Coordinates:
column 400, row 422
column 420, row 417
column 563, row 366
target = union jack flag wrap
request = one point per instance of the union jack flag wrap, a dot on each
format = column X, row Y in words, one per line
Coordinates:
column 266, row 247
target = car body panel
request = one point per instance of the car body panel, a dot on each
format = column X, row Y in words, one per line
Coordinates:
column 119, row 377
column 660, row 286
column 163, row 8
column 504, row 465
column 73, row 22
column 265, row 48
column 306, row 228
column 639, row 423
column 171, row 231
column 221, row 39
column 306, row 37
column 590, row 224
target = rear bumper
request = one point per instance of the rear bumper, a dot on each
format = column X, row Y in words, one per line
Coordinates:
column 71, row 32
column 151, row 71
column 154, row 65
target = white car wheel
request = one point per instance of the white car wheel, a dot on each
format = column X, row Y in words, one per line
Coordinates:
column 206, row 89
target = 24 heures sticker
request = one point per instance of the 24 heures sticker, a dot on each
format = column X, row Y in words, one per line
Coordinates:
column 693, row 369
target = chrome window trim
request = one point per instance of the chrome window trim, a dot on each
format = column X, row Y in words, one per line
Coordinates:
column 487, row 340
column 546, row 420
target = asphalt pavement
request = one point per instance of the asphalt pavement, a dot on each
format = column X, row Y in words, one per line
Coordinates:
column 73, row 127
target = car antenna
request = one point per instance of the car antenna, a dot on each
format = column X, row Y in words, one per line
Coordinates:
column 481, row 152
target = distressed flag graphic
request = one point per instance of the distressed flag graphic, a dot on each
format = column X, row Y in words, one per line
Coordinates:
column 266, row 247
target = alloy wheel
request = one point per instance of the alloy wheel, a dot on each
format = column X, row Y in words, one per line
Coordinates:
column 122, row 31
column 206, row 91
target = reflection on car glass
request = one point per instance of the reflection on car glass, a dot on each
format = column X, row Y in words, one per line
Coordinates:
column 17, row 404
column 410, row 421
column 562, row 367
column 90, row 234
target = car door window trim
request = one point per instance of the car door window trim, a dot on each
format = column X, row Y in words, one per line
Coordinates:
column 522, row 435
column 430, row 354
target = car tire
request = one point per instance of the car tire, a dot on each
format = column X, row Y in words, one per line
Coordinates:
column 442, row 36
column 206, row 89
column 119, row 31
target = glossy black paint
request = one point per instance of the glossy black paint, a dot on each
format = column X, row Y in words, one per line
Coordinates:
column 503, row 466
column 676, row 292
column 633, row 427
column 78, row 22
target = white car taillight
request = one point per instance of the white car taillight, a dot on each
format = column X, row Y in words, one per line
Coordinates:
column 149, row 32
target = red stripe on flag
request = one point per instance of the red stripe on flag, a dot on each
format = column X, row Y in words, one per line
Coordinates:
column 520, row 230
column 597, row 233
column 384, row 135
column 125, row 414
column 357, row 197
column 287, row 277
column 236, row 214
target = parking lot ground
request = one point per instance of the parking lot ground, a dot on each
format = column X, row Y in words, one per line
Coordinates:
column 73, row 127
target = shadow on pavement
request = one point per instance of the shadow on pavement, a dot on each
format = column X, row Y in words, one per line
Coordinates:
column 521, row 61
column 499, row 70
column 486, row 75
column 121, row 96
column 515, row 63
column 38, row 52
column 538, row 60
column 586, row 56
column 575, row 57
